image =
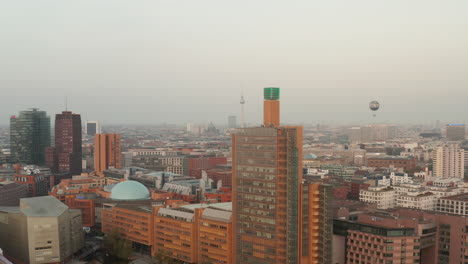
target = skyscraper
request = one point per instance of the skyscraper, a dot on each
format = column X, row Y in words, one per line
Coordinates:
column 455, row 132
column 232, row 122
column 107, row 151
column 93, row 128
column 267, row 177
column 29, row 136
column 65, row 156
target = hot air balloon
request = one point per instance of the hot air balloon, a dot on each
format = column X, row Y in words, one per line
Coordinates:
column 374, row 106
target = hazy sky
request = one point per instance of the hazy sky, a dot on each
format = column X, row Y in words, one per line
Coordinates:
column 177, row 61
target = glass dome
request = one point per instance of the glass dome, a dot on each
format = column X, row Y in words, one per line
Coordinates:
column 130, row 190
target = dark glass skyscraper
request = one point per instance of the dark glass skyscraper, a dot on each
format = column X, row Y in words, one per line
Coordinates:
column 66, row 155
column 29, row 136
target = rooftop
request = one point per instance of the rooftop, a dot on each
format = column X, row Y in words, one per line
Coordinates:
column 42, row 206
column 460, row 197
column 129, row 190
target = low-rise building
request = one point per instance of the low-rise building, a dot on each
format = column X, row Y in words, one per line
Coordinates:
column 408, row 164
column 384, row 197
column 417, row 200
column 457, row 204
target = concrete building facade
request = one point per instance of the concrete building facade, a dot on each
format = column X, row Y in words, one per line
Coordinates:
column 40, row 230
column 11, row 193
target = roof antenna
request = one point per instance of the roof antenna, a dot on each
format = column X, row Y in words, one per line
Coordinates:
column 66, row 103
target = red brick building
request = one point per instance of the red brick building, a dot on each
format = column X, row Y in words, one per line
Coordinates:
column 398, row 162
column 66, row 155
column 36, row 184
column 197, row 164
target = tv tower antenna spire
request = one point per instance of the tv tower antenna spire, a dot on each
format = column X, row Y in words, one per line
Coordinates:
column 242, row 102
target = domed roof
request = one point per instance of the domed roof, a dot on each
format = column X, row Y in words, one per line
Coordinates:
column 129, row 190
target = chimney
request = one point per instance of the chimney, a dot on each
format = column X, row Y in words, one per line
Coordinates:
column 271, row 107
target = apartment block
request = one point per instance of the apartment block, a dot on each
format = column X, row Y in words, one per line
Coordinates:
column 384, row 197
column 449, row 161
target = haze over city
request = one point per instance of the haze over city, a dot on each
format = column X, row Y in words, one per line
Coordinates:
column 152, row 62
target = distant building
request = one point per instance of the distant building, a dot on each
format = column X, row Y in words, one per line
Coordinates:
column 196, row 165
column 65, row 156
column 232, row 122
column 93, row 128
column 36, row 182
column 40, row 230
column 107, row 152
column 29, row 137
column 449, row 162
column 11, row 193
column 455, row 132
column 457, row 204
column 408, row 164
column 384, row 197
column 370, row 133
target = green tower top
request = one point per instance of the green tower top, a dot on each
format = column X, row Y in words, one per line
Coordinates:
column 271, row 93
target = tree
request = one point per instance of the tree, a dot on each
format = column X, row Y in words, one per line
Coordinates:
column 162, row 257
column 117, row 246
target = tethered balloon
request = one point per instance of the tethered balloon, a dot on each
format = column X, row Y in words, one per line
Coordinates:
column 374, row 106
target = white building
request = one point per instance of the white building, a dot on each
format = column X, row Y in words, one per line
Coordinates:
column 384, row 197
column 454, row 205
column 449, row 161
column 418, row 200
column 395, row 179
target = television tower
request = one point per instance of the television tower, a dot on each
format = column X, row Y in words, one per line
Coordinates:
column 242, row 102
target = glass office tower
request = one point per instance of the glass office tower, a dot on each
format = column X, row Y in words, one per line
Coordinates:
column 29, row 137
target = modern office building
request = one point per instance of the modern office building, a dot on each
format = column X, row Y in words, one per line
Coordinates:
column 66, row 155
column 40, row 230
column 267, row 174
column 317, row 222
column 11, row 193
column 378, row 239
column 29, row 137
column 449, row 161
column 455, row 132
column 195, row 233
column 93, row 128
column 215, row 234
column 401, row 236
column 107, row 152
column 232, row 122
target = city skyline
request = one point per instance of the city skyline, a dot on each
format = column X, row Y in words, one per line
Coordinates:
column 330, row 59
